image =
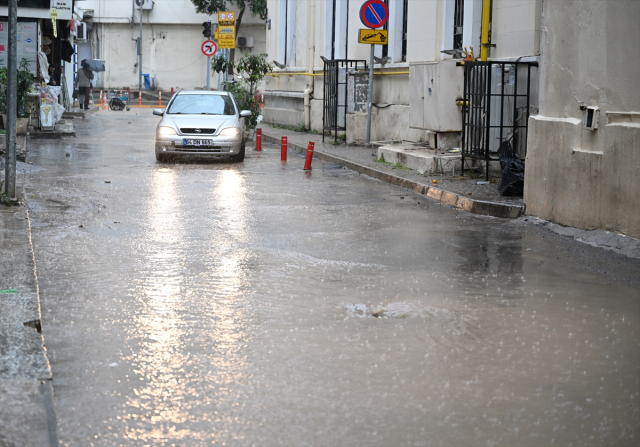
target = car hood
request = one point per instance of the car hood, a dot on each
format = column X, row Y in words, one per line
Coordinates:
column 203, row 121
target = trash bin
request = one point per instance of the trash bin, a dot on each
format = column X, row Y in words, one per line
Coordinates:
column 147, row 81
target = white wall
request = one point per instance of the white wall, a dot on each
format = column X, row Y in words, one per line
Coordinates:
column 171, row 53
column 424, row 29
column 575, row 176
column 164, row 11
column 516, row 28
column 172, row 37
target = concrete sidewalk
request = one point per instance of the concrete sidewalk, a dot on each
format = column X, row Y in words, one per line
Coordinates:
column 454, row 190
column 26, row 394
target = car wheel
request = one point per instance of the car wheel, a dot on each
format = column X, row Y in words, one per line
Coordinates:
column 160, row 157
column 240, row 156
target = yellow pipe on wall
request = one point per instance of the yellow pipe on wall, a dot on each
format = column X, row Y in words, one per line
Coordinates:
column 391, row 73
column 386, row 73
column 484, row 35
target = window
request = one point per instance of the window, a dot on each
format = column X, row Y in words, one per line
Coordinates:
column 461, row 26
column 287, row 32
column 336, row 29
column 397, row 27
column 458, row 24
column 194, row 104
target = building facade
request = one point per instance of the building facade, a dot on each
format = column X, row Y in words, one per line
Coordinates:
column 577, row 53
column 171, row 41
column 583, row 163
column 421, row 33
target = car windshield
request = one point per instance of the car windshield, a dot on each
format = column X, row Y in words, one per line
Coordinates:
column 202, row 105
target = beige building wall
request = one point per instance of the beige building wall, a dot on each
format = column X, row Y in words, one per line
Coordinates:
column 575, row 176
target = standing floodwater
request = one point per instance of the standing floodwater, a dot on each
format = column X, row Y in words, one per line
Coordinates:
column 259, row 304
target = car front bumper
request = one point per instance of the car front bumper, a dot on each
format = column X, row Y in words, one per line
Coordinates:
column 174, row 145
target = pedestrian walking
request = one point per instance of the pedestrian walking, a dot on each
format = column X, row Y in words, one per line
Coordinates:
column 85, row 76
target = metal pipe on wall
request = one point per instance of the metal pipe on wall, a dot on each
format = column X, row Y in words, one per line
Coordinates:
column 311, row 53
column 484, row 33
column 140, row 57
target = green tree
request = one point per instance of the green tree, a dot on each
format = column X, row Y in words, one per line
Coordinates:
column 211, row 7
column 251, row 68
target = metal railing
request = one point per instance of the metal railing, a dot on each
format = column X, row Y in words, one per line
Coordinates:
column 334, row 101
column 495, row 109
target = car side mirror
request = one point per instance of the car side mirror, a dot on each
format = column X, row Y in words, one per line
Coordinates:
column 245, row 113
column 158, row 112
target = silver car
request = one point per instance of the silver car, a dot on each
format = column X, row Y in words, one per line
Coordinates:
column 201, row 123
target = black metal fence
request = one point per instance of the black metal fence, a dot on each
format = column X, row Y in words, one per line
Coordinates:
column 496, row 108
column 334, row 102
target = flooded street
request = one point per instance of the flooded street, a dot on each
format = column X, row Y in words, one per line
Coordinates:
column 256, row 304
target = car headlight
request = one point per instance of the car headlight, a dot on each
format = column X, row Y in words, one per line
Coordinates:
column 165, row 130
column 230, row 132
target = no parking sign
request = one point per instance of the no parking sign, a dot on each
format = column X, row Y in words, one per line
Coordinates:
column 374, row 13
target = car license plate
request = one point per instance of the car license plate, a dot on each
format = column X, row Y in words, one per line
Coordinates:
column 190, row 142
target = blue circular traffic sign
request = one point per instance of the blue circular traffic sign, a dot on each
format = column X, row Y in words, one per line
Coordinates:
column 374, row 13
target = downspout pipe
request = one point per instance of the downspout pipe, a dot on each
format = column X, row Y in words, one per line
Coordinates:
column 484, row 35
column 311, row 53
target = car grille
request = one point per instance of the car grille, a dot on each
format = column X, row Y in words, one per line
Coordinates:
column 202, row 149
column 192, row 130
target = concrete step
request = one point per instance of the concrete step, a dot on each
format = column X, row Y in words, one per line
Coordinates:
column 421, row 158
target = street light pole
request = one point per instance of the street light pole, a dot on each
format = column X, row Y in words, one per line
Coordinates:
column 209, row 63
column 12, row 100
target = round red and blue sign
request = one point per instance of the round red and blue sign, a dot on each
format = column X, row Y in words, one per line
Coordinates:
column 374, row 13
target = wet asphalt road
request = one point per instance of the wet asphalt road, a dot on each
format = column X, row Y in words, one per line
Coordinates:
column 256, row 304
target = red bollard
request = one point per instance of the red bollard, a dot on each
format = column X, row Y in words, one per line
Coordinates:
column 139, row 97
column 307, row 162
column 258, row 139
column 129, row 94
column 283, row 149
column 172, row 92
column 160, row 98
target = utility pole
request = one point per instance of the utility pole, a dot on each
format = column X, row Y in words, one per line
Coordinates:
column 209, row 61
column 12, row 100
column 140, row 56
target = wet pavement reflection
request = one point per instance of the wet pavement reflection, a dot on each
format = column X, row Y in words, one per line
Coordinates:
column 256, row 304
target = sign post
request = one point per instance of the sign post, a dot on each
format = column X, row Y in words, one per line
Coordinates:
column 209, row 61
column 373, row 14
column 226, row 31
column 209, row 48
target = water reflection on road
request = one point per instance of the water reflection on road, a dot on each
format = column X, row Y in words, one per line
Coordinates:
column 251, row 304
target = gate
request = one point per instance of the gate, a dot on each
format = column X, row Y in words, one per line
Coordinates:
column 496, row 108
column 334, row 101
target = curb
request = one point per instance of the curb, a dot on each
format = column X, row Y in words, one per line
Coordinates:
column 440, row 195
column 82, row 114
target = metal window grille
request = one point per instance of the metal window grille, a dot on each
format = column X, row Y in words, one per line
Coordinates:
column 496, row 108
column 334, row 101
column 458, row 23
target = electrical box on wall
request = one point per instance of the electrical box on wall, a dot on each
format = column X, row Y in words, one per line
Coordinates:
column 144, row 4
column 433, row 90
column 591, row 116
